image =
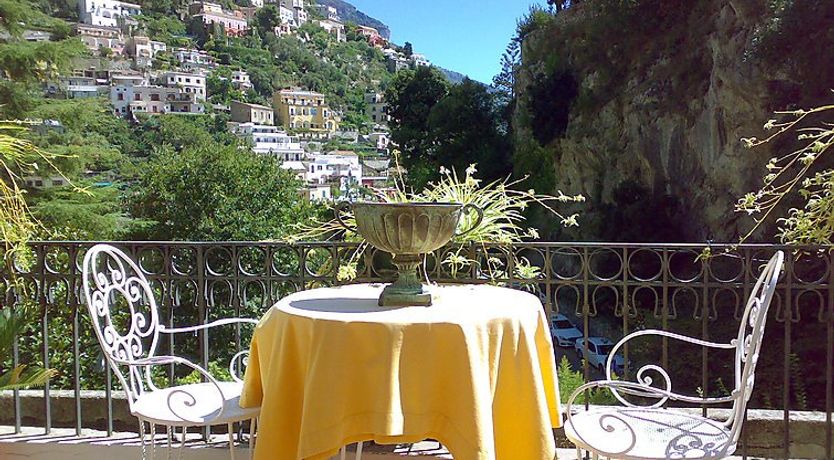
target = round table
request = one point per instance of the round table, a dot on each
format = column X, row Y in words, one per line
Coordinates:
column 475, row 371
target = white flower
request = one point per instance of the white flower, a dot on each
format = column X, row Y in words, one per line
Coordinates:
column 443, row 170
column 471, row 170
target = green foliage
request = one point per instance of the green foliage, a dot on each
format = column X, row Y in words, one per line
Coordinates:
column 13, row 323
column 463, row 128
column 163, row 27
column 549, row 99
column 216, row 193
column 799, row 171
column 183, row 131
column 570, row 380
column 792, row 39
column 411, row 98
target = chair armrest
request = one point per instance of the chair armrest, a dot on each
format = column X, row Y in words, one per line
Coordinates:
column 644, row 381
column 241, row 355
column 148, row 363
column 199, row 327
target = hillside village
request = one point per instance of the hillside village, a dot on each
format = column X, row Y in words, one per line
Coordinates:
column 143, row 76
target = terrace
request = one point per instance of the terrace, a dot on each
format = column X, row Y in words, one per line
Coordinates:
column 605, row 289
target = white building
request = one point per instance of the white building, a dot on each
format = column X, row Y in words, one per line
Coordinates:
column 189, row 82
column 143, row 49
column 95, row 38
column 381, row 140
column 193, row 58
column 297, row 8
column 108, row 13
column 328, row 12
column 317, row 192
column 419, row 60
column 270, row 140
column 334, row 28
column 342, row 168
column 240, row 80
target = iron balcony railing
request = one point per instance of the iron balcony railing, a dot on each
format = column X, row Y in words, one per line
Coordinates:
column 605, row 289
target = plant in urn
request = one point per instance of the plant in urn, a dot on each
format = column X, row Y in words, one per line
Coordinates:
column 408, row 231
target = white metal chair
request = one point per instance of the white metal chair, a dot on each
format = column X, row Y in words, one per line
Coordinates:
column 652, row 432
column 129, row 339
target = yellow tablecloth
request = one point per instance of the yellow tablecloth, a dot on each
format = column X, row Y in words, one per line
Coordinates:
column 475, row 371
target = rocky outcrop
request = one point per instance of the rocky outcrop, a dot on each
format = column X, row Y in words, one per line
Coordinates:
column 661, row 156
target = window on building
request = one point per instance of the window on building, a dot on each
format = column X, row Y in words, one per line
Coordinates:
column 314, row 112
column 155, row 96
column 57, row 182
column 120, row 96
column 137, row 97
column 38, row 183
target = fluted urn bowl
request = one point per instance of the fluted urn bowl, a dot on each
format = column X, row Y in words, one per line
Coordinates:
column 407, row 230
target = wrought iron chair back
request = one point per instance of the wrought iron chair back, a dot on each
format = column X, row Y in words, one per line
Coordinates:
column 750, row 337
column 124, row 315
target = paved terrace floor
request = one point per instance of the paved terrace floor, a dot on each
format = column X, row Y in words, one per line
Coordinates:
column 64, row 444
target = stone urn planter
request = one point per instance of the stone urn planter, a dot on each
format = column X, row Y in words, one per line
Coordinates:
column 408, row 231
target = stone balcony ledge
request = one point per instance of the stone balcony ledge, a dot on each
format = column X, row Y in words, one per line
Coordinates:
column 764, row 428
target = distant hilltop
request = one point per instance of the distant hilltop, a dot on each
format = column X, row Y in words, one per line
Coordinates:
column 349, row 13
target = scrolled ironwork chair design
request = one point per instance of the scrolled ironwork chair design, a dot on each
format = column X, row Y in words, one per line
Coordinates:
column 129, row 340
column 652, row 432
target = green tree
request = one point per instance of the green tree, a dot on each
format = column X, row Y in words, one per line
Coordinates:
column 214, row 193
column 464, row 128
column 411, row 97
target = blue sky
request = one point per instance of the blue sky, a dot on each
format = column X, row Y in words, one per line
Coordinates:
column 467, row 36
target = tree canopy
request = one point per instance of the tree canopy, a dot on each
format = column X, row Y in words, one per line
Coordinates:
column 213, row 193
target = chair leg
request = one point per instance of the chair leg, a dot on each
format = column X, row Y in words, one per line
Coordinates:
column 359, row 450
column 142, row 438
column 182, row 444
column 231, row 440
column 153, row 439
column 168, row 441
column 252, row 427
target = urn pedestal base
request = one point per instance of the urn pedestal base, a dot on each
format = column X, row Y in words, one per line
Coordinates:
column 407, row 290
column 396, row 299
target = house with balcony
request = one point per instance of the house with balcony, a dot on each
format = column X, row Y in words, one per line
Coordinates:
column 305, row 112
column 339, row 168
column 97, row 37
column 373, row 36
column 76, row 87
column 375, row 107
column 108, row 13
column 193, row 59
column 381, row 140
column 419, row 60
column 298, row 12
column 328, row 12
column 240, row 80
column 334, row 27
column 242, row 112
column 233, row 22
column 270, row 140
column 317, row 193
column 142, row 50
column 189, row 83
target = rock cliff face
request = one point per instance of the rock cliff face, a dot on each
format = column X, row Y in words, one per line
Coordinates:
column 659, row 156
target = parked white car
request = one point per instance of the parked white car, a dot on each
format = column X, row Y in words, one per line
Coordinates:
column 563, row 331
column 597, row 355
